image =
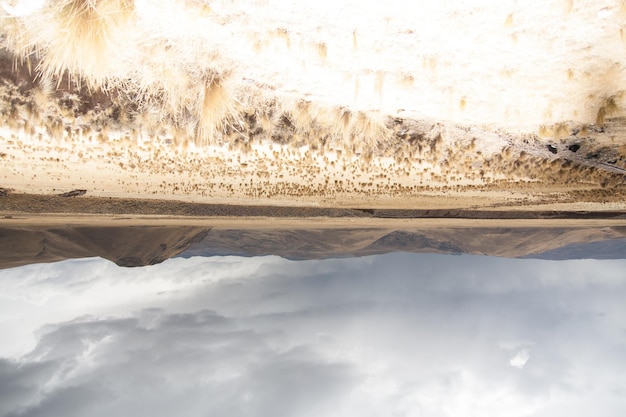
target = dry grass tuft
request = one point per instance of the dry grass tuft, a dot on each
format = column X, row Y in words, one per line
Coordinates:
column 84, row 38
column 608, row 107
column 556, row 131
column 16, row 38
column 322, row 124
column 217, row 110
column 322, row 50
column 561, row 131
column 371, row 129
column 283, row 34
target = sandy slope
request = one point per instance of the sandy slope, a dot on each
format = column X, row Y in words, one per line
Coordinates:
column 421, row 166
column 435, row 105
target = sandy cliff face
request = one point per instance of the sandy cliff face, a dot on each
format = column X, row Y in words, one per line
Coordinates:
column 317, row 103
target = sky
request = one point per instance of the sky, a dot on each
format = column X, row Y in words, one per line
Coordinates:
column 393, row 335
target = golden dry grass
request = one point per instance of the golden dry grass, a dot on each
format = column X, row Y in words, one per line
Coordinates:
column 217, row 112
column 336, row 125
column 83, row 37
column 608, row 107
column 176, row 91
column 94, row 43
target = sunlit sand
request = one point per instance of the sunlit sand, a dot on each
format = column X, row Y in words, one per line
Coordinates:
column 302, row 104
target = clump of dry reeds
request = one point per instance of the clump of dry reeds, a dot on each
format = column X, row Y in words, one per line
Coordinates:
column 96, row 43
column 83, row 38
column 173, row 79
column 86, row 38
column 335, row 125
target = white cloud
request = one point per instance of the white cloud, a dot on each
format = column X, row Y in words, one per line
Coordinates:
column 395, row 334
column 520, row 359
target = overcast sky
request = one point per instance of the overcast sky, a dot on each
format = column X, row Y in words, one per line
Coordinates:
column 390, row 335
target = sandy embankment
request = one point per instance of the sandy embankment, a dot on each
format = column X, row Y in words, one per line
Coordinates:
column 471, row 109
column 445, row 175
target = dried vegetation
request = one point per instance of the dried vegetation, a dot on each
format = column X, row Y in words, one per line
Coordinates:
column 82, row 86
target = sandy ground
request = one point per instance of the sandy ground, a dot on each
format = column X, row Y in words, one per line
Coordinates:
column 480, row 108
column 279, row 175
column 293, row 223
column 59, row 144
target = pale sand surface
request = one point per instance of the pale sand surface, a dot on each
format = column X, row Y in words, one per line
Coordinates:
column 285, row 176
column 294, row 222
column 482, row 108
